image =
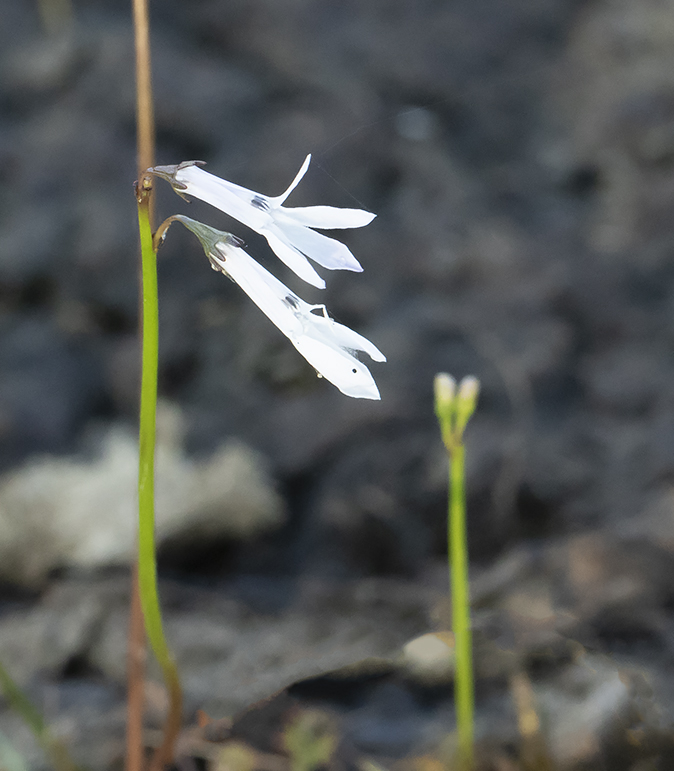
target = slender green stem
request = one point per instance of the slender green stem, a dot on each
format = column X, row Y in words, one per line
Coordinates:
column 454, row 408
column 458, row 576
column 21, row 704
column 147, row 563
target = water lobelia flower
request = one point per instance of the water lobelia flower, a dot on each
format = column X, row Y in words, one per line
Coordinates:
column 288, row 230
column 327, row 345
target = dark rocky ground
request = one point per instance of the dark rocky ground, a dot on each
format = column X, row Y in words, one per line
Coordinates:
column 519, row 156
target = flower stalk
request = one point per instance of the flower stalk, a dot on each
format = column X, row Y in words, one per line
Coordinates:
column 147, row 561
column 454, row 408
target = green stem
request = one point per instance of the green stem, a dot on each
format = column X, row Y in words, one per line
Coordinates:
column 458, row 576
column 147, row 563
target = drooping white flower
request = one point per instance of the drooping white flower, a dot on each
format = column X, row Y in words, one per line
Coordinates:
column 327, row 345
column 288, row 230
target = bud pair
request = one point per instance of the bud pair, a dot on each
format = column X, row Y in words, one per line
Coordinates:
column 454, row 406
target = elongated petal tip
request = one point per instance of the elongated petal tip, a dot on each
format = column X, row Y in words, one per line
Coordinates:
column 326, row 251
column 352, row 340
column 368, row 391
column 293, row 258
column 326, row 217
column 372, row 395
column 366, row 217
column 363, row 392
column 324, row 351
column 279, row 199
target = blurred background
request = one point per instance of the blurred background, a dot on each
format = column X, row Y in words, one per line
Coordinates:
column 520, row 158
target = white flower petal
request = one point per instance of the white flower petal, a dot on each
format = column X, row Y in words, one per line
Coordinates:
column 242, row 192
column 288, row 231
column 292, row 257
column 265, row 290
column 326, row 345
column 328, row 217
column 219, row 193
column 338, row 366
column 313, row 335
column 347, row 338
column 279, row 199
column 322, row 249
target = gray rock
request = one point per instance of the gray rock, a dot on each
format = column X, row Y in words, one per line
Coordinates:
column 69, row 512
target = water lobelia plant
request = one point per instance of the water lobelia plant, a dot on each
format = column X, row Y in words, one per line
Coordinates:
column 328, row 346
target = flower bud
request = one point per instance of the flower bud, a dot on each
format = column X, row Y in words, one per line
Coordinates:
column 445, row 406
column 445, row 391
column 466, row 401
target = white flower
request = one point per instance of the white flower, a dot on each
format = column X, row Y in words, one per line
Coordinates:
column 325, row 344
column 288, row 230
